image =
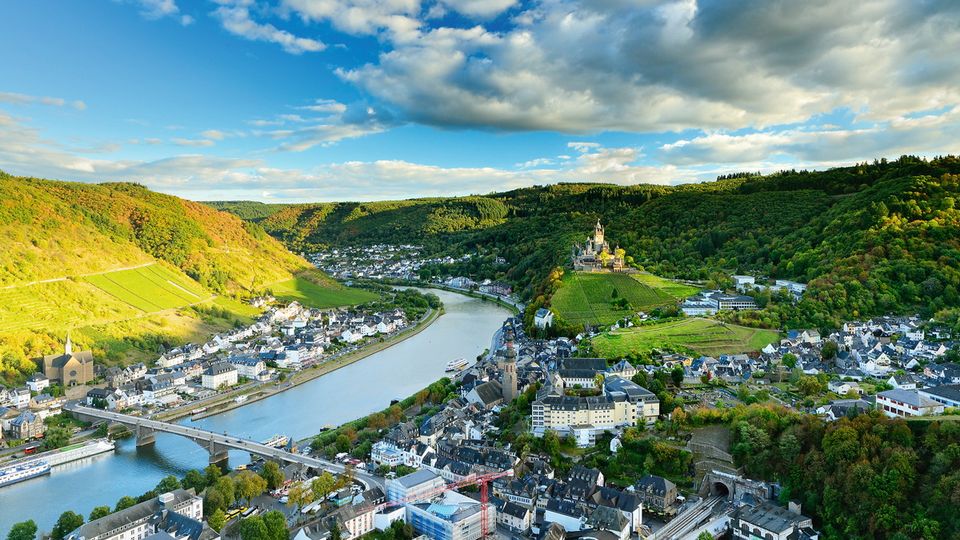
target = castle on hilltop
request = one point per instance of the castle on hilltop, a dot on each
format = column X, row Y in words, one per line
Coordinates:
column 595, row 254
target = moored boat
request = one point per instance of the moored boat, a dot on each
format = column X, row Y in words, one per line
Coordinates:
column 457, row 365
column 12, row 474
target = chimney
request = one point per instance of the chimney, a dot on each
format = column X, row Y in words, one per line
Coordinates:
column 795, row 507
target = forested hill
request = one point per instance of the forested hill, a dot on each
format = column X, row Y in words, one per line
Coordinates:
column 125, row 269
column 870, row 239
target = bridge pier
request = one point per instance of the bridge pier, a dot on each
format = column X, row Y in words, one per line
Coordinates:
column 145, row 436
column 218, row 453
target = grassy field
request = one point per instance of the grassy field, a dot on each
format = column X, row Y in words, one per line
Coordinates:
column 703, row 336
column 310, row 294
column 150, row 288
column 588, row 298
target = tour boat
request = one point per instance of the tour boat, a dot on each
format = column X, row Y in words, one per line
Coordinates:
column 457, row 365
column 11, row 474
column 277, row 441
column 240, row 399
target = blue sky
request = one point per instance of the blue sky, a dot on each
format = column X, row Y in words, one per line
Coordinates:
column 309, row 100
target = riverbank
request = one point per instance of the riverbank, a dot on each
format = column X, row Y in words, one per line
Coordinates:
column 227, row 402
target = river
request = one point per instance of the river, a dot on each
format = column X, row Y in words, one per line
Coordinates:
column 464, row 330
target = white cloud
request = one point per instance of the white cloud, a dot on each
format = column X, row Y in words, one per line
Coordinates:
column 236, row 19
column 481, row 9
column 200, row 143
column 24, row 99
column 24, row 151
column 158, row 9
column 929, row 134
column 585, row 65
column 214, row 134
column 396, row 18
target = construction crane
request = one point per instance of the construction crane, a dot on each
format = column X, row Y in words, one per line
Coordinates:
column 483, row 480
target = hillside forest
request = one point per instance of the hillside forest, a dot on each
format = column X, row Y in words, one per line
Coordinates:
column 869, row 239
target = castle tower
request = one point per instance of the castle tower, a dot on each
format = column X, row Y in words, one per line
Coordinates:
column 598, row 235
column 508, row 366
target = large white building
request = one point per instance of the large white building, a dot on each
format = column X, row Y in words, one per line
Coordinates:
column 451, row 516
column 218, row 375
column 179, row 513
column 582, row 417
column 899, row 403
column 413, row 486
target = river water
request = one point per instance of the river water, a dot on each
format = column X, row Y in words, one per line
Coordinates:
column 464, row 330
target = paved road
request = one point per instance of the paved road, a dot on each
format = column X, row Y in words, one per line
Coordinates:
column 202, row 436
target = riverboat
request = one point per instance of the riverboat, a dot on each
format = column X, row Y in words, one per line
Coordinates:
column 11, row 474
column 457, row 365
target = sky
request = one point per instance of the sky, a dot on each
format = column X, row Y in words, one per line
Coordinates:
column 326, row 100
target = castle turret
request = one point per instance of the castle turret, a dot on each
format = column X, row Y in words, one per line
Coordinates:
column 598, row 235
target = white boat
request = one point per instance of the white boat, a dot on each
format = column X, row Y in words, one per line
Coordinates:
column 277, row 441
column 11, row 474
column 240, row 399
column 457, row 365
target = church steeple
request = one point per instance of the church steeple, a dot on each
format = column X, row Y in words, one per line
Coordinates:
column 68, row 348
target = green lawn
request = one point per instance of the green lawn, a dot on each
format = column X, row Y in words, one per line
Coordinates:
column 150, row 288
column 703, row 336
column 310, row 294
column 588, row 298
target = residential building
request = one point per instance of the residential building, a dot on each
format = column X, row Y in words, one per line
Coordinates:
column 452, row 516
column 543, row 318
column 582, row 417
column 219, row 375
column 38, row 383
column 658, row 494
column 249, row 366
column 768, row 521
column 899, row 403
column 947, row 394
column 514, row 517
column 414, row 486
column 179, row 513
column 27, row 425
column 648, row 405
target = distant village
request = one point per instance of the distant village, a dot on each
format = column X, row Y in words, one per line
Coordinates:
column 283, row 341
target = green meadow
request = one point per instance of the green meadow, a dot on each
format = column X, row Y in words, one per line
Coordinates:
column 591, row 298
column 701, row 336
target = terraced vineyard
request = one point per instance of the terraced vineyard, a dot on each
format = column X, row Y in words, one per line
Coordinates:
column 701, row 336
column 150, row 288
column 58, row 305
column 592, row 298
column 310, row 294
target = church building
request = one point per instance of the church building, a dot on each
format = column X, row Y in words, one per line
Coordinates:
column 69, row 368
column 595, row 253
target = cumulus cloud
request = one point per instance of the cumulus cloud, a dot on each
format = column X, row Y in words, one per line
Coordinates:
column 24, row 99
column 24, row 151
column 928, row 134
column 398, row 19
column 481, row 9
column 582, row 66
column 158, row 9
column 181, row 141
column 329, row 121
column 236, row 19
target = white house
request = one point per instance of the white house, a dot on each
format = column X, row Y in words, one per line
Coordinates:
column 543, row 318
column 899, row 403
column 219, row 374
column 38, row 383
